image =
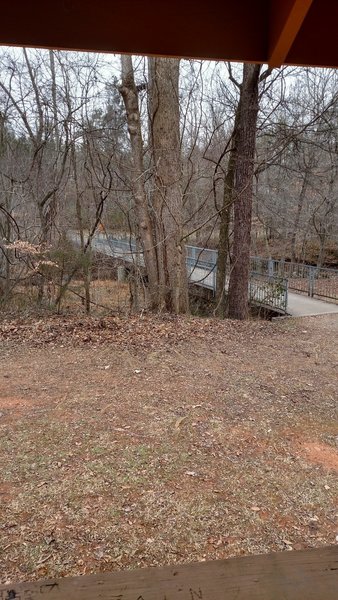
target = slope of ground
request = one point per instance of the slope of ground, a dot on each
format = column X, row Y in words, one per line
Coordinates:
column 147, row 441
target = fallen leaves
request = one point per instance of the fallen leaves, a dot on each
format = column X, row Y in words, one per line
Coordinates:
column 152, row 445
column 179, row 422
column 43, row 560
column 149, row 332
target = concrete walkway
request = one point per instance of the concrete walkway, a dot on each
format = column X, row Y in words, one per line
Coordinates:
column 303, row 306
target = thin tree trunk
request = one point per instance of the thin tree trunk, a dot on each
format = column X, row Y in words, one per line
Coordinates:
column 300, row 205
column 78, row 207
column 129, row 94
column 321, row 254
column 8, row 236
column 56, row 134
column 244, row 171
column 223, row 243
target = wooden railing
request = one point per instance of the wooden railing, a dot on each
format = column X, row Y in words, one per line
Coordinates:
column 304, row 575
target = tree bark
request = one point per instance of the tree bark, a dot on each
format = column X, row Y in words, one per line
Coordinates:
column 167, row 193
column 129, row 94
column 223, row 243
column 300, row 205
column 79, row 216
column 243, row 183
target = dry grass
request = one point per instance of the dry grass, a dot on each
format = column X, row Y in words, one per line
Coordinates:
column 107, row 296
column 126, row 443
column 108, row 293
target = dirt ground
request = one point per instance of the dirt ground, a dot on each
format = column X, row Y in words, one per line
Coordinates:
column 149, row 441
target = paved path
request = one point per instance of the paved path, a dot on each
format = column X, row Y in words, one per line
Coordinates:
column 301, row 306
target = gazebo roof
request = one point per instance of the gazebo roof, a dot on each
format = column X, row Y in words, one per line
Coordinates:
column 302, row 32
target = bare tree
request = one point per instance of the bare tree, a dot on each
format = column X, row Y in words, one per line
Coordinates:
column 166, row 195
column 130, row 96
column 245, row 137
column 160, row 217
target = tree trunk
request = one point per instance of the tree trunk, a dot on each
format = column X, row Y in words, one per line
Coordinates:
column 321, row 254
column 167, row 193
column 129, row 94
column 300, row 205
column 78, row 208
column 243, row 183
column 223, row 243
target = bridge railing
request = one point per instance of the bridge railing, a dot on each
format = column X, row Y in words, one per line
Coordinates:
column 269, row 291
column 124, row 249
column 198, row 254
column 266, row 288
column 303, row 278
column 201, row 272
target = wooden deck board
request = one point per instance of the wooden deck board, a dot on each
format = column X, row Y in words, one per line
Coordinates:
column 305, row 575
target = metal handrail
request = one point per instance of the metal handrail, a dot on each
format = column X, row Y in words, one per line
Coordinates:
column 302, row 278
column 265, row 289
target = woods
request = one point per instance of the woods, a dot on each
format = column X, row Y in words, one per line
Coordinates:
column 168, row 298
column 161, row 152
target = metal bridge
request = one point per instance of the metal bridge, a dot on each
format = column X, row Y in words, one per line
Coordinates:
column 270, row 282
column 268, row 291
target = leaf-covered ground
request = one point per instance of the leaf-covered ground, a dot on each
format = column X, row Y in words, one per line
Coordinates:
column 147, row 441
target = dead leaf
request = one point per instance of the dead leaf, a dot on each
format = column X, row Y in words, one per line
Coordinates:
column 298, row 547
column 43, row 560
column 179, row 422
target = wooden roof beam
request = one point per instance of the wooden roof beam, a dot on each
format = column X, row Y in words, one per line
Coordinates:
column 286, row 19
